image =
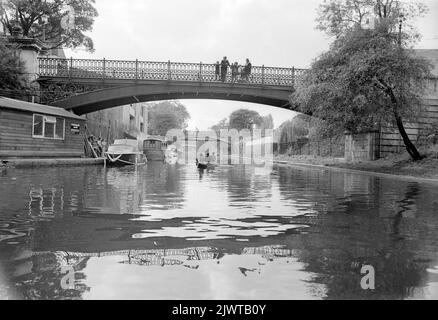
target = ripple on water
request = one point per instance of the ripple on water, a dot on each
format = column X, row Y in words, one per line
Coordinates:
column 231, row 233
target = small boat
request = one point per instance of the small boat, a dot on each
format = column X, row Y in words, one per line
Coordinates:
column 124, row 153
column 207, row 162
column 155, row 148
column 206, row 166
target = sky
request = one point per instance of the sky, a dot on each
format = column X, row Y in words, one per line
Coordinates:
column 275, row 33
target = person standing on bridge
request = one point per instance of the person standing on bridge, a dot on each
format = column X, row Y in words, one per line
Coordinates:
column 247, row 69
column 218, row 71
column 224, row 69
column 234, row 71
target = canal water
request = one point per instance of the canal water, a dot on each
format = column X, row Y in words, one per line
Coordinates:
column 171, row 232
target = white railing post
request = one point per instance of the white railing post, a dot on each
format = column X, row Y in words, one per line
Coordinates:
column 263, row 74
column 71, row 68
column 39, row 67
column 136, row 69
column 169, row 72
column 293, row 77
column 200, row 71
column 104, row 69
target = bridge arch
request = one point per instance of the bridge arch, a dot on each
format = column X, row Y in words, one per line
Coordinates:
column 170, row 90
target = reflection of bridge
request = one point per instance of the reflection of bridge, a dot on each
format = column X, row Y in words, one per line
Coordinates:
column 89, row 85
column 167, row 257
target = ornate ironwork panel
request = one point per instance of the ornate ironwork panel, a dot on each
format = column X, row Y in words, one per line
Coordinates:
column 52, row 91
column 166, row 71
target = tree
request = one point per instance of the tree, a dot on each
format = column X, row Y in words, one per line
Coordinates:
column 166, row 122
column 167, row 115
column 337, row 17
column 245, row 119
column 295, row 129
column 267, row 122
column 222, row 125
column 10, row 68
column 66, row 25
column 367, row 78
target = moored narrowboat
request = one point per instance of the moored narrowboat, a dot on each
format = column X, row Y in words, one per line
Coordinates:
column 155, row 149
column 125, row 152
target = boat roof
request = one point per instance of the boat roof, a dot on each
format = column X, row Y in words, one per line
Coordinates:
column 129, row 142
column 124, row 146
column 161, row 139
column 8, row 103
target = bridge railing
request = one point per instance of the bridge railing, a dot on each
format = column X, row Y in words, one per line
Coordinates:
column 148, row 70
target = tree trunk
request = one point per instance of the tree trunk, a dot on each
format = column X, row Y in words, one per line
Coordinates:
column 410, row 147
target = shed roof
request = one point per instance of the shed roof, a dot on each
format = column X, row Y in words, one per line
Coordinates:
column 36, row 108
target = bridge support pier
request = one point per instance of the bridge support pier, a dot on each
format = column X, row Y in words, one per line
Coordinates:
column 28, row 50
column 362, row 146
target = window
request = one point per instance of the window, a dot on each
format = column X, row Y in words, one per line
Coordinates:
column 38, row 124
column 142, row 127
column 59, row 132
column 48, row 127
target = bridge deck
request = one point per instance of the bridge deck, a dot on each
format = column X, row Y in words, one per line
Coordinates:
column 85, row 69
column 85, row 86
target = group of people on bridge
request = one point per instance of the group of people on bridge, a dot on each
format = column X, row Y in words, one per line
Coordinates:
column 243, row 70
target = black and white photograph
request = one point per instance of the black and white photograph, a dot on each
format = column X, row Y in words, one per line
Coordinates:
column 205, row 151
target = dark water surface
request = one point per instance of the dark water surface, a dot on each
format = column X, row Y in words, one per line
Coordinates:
column 167, row 232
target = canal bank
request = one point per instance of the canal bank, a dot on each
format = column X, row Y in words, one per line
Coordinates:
column 396, row 168
column 35, row 163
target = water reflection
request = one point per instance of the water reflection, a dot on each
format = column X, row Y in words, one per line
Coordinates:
column 161, row 257
column 236, row 232
column 250, row 263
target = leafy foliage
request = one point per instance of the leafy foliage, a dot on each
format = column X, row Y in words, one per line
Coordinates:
column 429, row 135
column 367, row 78
column 166, row 122
column 353, row 85
column 167, row 115
column 245, row 119
column 10, row 68
column 295, row 129
column 28, row 15
column 222, row 125
column 337, row 17
column 267, row 122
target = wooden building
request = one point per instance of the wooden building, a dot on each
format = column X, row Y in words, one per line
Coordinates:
column 29, row 130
